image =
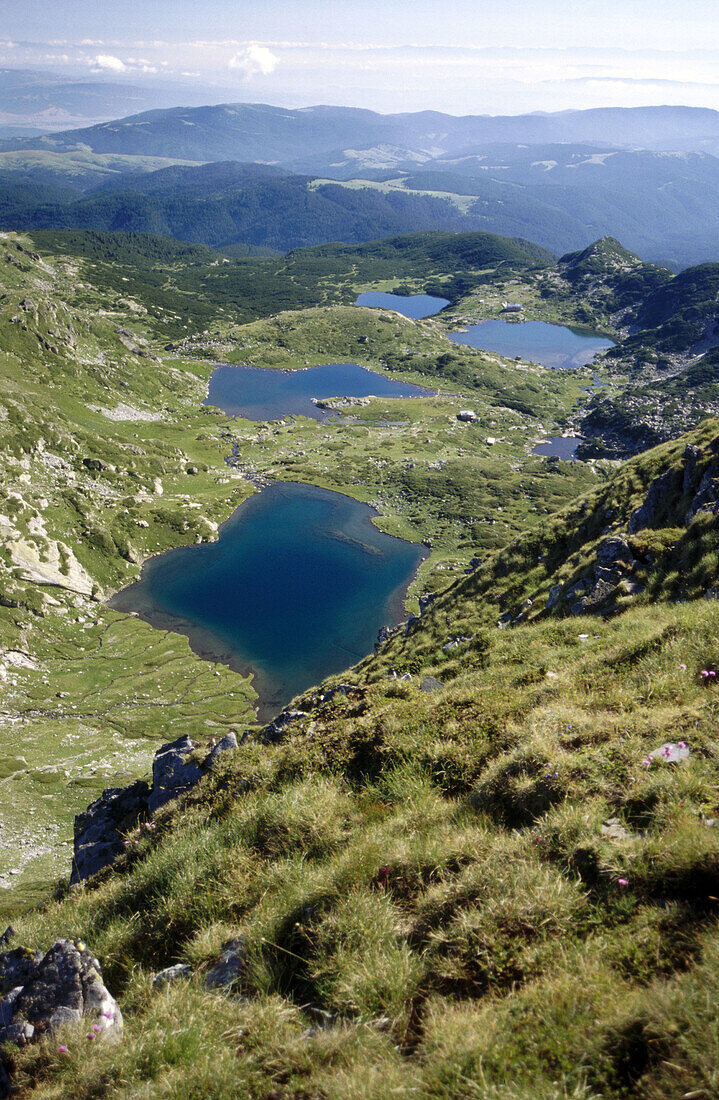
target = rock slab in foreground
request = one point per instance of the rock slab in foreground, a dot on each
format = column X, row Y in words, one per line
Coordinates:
column 63, row 987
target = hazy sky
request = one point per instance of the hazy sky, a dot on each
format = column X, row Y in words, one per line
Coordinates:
column 456, row 55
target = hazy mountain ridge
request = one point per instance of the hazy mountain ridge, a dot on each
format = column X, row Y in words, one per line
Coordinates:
column 249, row 131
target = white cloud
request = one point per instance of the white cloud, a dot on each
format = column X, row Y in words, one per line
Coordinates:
column 254, row 61
column 107, row 62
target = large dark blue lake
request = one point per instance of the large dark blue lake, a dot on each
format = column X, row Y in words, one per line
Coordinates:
column 416, row 306
column 261, row 393
column 295, row 589
column 536, row 341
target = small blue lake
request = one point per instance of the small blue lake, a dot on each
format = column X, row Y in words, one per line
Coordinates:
column 295, row 589
column 261, row 393
column 553, row 346
column 558, row 446
column 416, row 306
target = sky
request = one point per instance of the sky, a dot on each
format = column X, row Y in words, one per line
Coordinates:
column 461, row 56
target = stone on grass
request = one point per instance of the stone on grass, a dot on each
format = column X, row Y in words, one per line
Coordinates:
column 228, row 967
column 98, row 830
column 670, row 753
column 171, row 974
column 613, row 829
column 431, row 683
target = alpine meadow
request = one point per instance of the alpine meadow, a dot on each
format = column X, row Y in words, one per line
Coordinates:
column 359, row 551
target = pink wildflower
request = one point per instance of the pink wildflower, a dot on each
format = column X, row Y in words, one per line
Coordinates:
column 91, row 1035
column 622, row 882
column 712, row 674
column 683, row 668
column 704, row 673
column 97, row 1027
column 681, row 744
column 126, row 842
column 62, row 1049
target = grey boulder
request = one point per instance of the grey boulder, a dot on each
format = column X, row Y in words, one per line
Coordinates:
column 65, row 988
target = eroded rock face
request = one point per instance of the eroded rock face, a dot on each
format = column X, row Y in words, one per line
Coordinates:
column 98, row 830
column 706, row 498
column 63, row 987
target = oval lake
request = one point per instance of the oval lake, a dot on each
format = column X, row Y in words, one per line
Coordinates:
column 263, row 393
column 558, row 446
column 415, row 306
column 296, row 588
column 553, row 346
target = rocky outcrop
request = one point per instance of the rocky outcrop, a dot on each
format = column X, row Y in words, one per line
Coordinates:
column 275, row 732
column 172, row 773
column 660, row 493
column 679, row 481
column 99, row 829
column 62, row 988
column 614, row 557
column 227, row 744
column 134, row 344
column 613, row 569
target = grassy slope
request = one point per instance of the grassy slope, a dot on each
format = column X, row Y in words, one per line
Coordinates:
column 435, row 872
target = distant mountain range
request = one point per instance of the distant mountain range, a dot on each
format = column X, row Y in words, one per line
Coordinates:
column 253, row 174
column 258, row 131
